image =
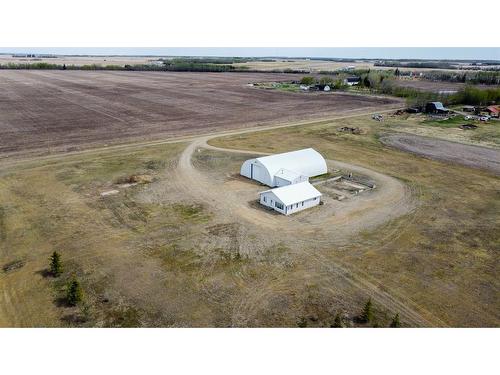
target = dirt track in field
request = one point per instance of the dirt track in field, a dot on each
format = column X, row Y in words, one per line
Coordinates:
column 451, row 152
column 52, row 111
column 390, row 200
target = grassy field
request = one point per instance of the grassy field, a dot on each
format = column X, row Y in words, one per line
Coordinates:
column 103, row 240
column 155, row 255
column 150, row 255
column 444, row 254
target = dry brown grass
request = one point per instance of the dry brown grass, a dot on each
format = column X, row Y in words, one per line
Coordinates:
column 154, row 255
column 443, row 255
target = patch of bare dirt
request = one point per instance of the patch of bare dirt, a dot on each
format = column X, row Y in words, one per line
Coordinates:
column 451, row 152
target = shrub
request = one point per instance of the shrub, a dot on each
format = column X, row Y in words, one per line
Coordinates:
column 307, row 80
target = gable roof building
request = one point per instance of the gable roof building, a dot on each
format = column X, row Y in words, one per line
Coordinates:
column 493, row 110
column 291, row 198
column 435, row 107
column 351, row 81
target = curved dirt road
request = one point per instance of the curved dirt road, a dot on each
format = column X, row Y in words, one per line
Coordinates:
column 390, row 200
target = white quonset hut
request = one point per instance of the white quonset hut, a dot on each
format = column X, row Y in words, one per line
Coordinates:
column 285, row 169
column 292, row 198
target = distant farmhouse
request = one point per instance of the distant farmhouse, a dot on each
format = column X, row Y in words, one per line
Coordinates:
column 493, row 110
column 351, row 81
column 289, row 173
column 436, row 108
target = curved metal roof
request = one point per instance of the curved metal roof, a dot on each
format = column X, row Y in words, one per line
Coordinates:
column 307, row 162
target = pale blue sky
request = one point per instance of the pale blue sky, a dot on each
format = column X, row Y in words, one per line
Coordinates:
column 466, row 53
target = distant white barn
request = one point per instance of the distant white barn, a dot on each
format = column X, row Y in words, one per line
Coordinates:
column 292, row 198
column 285, row 169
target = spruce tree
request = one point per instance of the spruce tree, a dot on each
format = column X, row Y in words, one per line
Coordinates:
column 74, row 293
column 302, row 322
column 367, row 314
column 337, row 323
column 395, row 322
column 55, row 264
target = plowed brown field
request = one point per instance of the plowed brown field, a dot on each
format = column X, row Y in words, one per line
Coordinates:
column 67, row 110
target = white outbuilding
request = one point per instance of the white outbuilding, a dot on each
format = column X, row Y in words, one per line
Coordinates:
column 291, row 198
column 285, row 169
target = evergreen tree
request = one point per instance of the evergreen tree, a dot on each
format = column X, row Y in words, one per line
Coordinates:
column 395, row 322
column 55, row 264
column 74, row 293
column 367, row 314
column 337, row 323
column 302, row 322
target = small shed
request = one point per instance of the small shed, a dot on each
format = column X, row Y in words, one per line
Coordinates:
column 435, row 107
column 468, row 108
column 291, row 198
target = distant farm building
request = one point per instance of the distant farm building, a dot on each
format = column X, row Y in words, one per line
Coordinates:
column 285, row 169
column 289, row 173
column 351, row 81
column 435, row 107
column 319, row 87
column 493, row 110
column 292, row 198
column 468, row 108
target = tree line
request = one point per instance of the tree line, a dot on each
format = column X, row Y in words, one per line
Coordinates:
column 383, row 82
column 449, row 65
column 168, row 65
column 476, row 77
